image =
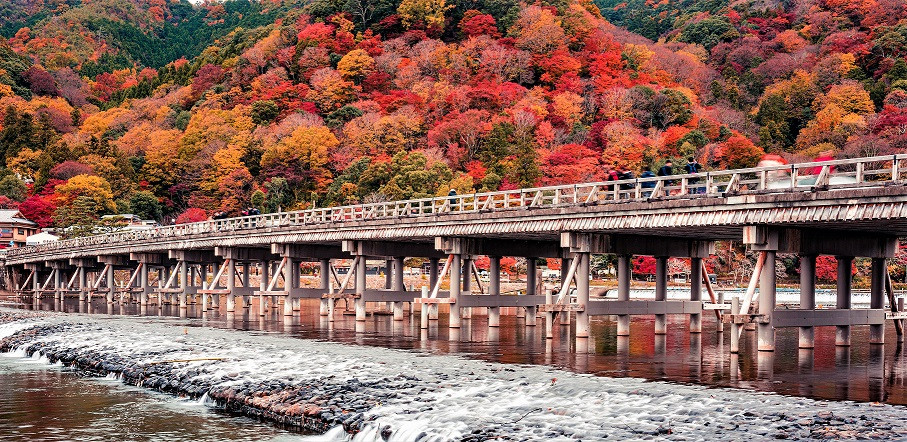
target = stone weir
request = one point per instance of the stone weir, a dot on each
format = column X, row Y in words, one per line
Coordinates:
column 310, row 407
column 361, row 393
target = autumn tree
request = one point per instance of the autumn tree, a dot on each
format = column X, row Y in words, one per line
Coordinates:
column 429, row 12
column 356, row 65
column 301, row 159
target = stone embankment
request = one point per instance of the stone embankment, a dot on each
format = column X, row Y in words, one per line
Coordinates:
column 369, row 393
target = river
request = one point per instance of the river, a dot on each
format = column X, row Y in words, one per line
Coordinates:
column 48, row 394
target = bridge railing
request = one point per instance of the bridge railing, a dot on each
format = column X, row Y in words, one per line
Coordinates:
column 801, row 177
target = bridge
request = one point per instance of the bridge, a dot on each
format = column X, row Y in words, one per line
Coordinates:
column 846, row 208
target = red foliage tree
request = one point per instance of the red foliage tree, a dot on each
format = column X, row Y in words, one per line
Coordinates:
column 475, row 23
column 69, row 169
column 644, row 265
column 40, row 81
column 191, row 215
column 39, row 209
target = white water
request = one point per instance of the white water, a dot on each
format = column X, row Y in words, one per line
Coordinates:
column 450, row 396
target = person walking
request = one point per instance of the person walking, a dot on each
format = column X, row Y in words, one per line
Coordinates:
column 667, row 170
column 646, row 173
column 692, row 167
column 451, row 201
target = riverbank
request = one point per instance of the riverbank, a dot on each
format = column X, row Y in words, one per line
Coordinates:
column 370, row 393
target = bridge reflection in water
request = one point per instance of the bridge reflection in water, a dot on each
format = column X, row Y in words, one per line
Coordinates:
column 860, row 372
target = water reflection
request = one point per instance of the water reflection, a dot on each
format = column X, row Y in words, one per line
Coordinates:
column 859, row 372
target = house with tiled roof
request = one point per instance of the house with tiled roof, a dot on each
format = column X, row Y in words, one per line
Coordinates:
column 14, row 228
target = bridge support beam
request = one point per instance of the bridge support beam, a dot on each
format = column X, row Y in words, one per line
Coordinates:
column 661, row 292
column 324, row 274
column 877, row 298
column 807, row 297
column 494, row 289
column 695, row 292
column 531, row 281
column 580, row 247
column 264, row 280
column 624, row 277
column 398, row 285
column 466, row 275
column 842, row 332
column 767, row 286
column 290, row 281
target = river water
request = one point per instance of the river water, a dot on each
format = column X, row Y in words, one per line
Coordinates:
column 41, row 402
column 48, row 403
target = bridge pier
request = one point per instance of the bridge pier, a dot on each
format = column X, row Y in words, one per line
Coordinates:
column 695, row 292
column 767, row 286
column 466, row 262
column 845, row 280
column 494, row 289
column 398, row 285
column 531, row 282
column 661, row 292
column 877, row 298
column 324, row 274
column 624, row 278
column 807, row 297
column 264, row 267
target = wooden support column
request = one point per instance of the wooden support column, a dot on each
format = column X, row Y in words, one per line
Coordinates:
column 58, row 284
column 696, row 292
column 230, row 271
column 184, row 284
column 456, row 277
column 466, row 266
column 624, row 276
column 36, row 286
column 388, row 274
column 111, row 284
column 582, row 294
column 767, row 286
column 289, row 275
column 83, row 283
column 807, row 297
column 494, row 289
column 531, row 281
column 877, row 298
column 246, row 274
column 397, row 285
column 143, row 284
column 264, row 282
column 563, row 318
column 432, row 271
column 324, row 273
column 361, row 287
column 842, row 333
column 661, row 292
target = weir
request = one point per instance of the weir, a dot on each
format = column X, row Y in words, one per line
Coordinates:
column 857, row 211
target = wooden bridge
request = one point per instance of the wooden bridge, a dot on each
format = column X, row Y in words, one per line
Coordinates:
column 846, row 208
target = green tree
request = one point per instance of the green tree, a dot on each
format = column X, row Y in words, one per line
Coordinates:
column 13, row 188
column 264, row 111
column 145, row 205
column 79, row 218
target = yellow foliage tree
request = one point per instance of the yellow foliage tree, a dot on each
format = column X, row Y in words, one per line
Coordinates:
column 356, row 64
column 94, row 187
column 26, row 163
column 430, row 12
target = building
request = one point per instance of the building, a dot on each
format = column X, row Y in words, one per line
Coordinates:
column 14, row 228
column 41, row 238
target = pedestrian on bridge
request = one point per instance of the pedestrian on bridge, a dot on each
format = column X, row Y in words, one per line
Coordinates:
column 692, row 167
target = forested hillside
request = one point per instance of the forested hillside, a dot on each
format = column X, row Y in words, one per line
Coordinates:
column 174, row 111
